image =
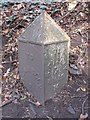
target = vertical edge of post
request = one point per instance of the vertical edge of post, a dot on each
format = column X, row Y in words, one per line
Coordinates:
column 43, row 74
column 0, row 74
column 43, row 47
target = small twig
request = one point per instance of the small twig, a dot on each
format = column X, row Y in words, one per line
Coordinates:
column 83, row 115
column 68, row 13
column 6, row 103
column 78, row 96
column 49, row 118
column 83, row 105
column 16, row 26
column 31, row 106
column 35, row 103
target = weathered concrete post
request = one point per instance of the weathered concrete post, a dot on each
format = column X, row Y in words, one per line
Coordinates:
column 43, row 57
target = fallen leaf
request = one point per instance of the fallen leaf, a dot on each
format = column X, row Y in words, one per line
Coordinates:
column 1, row 67
column 19, row 6
column 5, row 31
column 0, row 90
column 35, row 2
column 43, row 7
column 72, row 4
column 83, row 89
column 83, row 117
column 8, row 71
column 23, row 98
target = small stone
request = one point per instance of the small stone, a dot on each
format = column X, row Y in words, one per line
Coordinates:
column 38, row 103
column 75, row 72
column 78, row 89
column 71, row 110
column 74, row 66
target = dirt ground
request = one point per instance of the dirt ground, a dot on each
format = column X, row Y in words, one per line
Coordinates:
column 68, row 103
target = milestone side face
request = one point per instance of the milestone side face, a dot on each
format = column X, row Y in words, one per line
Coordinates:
column 55, row 68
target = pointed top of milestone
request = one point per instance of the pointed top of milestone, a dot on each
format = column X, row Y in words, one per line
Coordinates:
column 44, row 30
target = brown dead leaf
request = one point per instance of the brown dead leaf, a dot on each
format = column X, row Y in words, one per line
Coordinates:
column 1, row 22
column 5, row 31
column 1, row 67
column 6, row 74
column 72, row 4
column 83, row 117
column 83, row 89
column 19, row 6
